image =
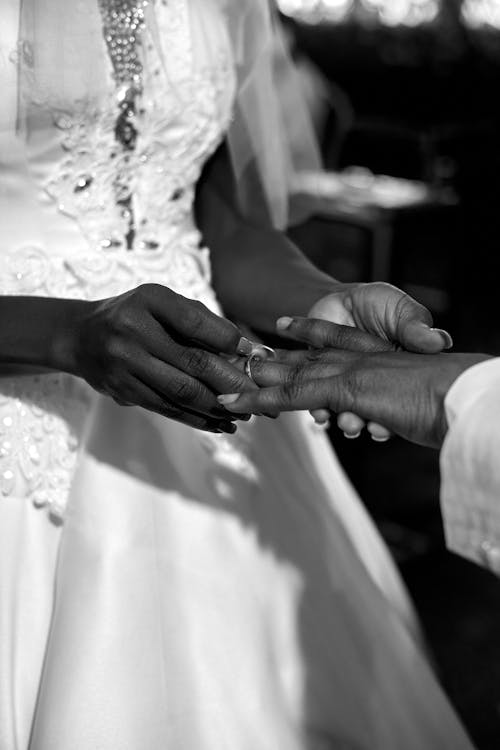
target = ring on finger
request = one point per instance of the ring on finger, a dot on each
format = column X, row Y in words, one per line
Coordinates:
column 259, row 352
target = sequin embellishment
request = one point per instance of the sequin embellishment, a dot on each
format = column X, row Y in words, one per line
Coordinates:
column 123, row 23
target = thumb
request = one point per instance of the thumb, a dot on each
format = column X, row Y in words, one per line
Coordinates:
column 322, row 334
column 414, row 331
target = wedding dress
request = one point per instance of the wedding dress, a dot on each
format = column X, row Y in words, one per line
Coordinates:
column 162, row 588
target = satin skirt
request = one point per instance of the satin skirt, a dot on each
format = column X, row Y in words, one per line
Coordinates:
column 208, row 593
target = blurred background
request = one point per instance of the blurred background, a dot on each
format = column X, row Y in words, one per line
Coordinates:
column 405, row 96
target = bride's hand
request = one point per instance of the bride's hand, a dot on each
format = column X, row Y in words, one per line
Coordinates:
column 156, row 349
column 384, row 311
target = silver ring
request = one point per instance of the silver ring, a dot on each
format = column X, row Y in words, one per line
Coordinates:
column 248, row 367
column 259, row 351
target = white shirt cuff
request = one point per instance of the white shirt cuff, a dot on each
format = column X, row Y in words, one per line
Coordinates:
column 470, row 465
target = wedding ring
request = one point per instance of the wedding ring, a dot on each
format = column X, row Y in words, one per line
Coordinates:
column 248, row 367
column 259, row 352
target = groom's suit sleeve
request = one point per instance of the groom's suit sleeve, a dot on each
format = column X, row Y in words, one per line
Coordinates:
column 470, row 466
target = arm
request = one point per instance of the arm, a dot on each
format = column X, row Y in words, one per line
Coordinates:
column 258, row 273
column 148, row 347
column 33, row 333
column 448, row 400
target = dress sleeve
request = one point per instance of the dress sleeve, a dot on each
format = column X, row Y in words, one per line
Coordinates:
column 470, row 466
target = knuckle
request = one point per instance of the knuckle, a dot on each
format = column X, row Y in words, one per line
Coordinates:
column 338, row 336
column 196, row 360
column 315, row 355
column 126, row 320
column 296, row 375
column 350, row 386
column 147, row 290
column 185, row 391
column 194, row 316
column 113, row 348
column 291, row 391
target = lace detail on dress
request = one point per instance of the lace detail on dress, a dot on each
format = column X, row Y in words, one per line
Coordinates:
column 178, row 122
column 32, row 271
column 41, row 421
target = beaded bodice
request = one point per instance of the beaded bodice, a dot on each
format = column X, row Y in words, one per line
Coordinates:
column 113, row 208
column 124, row 172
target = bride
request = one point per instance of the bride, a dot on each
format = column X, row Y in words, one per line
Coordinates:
column 163, row 586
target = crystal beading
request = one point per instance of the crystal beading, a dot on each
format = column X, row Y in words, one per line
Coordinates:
column 123, row 23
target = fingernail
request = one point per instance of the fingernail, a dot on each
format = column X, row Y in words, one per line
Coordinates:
column 244, row 347
column 282, row 324
column 352, row 435
column 228, row 398
column 322, row 426
column 447, row 340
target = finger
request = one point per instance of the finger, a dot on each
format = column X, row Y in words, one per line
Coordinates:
column 267, row 374
column 323, row 333
column 220, row 375
column 351, row 425
column 321, row 416
column 299, row 357
column 379, row 433
column 178, row 387
column 193, row 321
column 331, row 393
column 413, row 328
column 215, row 371
column 156, row 402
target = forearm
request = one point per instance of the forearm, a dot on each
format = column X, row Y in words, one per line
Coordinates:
column 35, row 332
column 260, row 275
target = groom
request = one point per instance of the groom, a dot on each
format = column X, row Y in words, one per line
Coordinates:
column 449, row 401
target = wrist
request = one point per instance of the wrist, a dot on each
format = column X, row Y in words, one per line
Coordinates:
column 63, row 347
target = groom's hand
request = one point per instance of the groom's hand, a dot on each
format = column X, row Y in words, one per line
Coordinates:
column 384, row 311
column 388, row 313
column 405, row 392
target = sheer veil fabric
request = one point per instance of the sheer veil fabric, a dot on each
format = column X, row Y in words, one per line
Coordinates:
column 62, row 59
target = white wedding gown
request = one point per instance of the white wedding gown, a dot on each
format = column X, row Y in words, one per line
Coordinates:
column 161, row 588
